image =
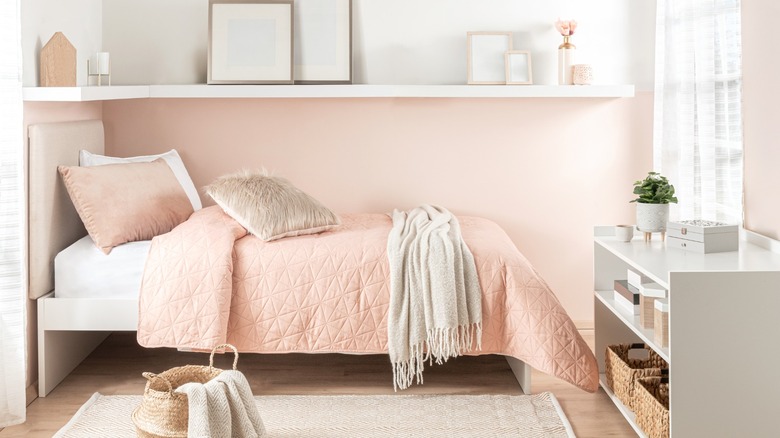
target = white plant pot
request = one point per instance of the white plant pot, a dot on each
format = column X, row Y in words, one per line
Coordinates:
column 652, row 218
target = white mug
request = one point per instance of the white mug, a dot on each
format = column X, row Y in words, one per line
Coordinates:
column 624, row 233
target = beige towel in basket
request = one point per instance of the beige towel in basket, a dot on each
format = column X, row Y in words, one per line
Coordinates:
column 223, row 407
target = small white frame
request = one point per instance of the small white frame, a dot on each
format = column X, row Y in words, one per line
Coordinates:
column 250, row 42
column 323, row 42
column 518, row 67
column 485, row 57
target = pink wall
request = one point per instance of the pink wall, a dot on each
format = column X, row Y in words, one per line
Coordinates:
column 39, row 112
column 547, row 170
column 761, row 90
column 51, row 112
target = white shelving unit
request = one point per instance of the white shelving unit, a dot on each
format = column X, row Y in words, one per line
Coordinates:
column 724, row 330
column 630, row 416
column 631, row 321
column 84, row 94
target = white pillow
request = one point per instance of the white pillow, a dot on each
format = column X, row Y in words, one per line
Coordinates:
column 88, row 159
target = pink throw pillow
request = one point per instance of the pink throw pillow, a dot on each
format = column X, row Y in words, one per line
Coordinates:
column 121, row 203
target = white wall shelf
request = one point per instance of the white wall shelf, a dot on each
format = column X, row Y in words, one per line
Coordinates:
column 84, row 94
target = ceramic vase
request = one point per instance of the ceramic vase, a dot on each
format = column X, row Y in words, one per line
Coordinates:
column 582, row 74
column 652, row 218
column 566, row 59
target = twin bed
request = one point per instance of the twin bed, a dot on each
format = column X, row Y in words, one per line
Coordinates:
column 96, row 294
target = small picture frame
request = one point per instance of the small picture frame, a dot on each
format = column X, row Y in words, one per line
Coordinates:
column 323, row 42
column 518, row 67
column 485, row 57
column 250, row 42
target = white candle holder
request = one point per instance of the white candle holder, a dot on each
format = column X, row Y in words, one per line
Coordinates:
column 102, row 68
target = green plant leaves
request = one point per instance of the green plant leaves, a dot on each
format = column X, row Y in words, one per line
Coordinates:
column 654, row 189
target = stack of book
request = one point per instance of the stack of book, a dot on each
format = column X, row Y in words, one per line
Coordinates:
column 648, row 294
column 627, row 296
column 636, row 279
column 627, row 291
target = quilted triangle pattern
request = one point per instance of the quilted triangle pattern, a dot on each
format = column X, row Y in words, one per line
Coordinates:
column 195, row 257
column 207, row 282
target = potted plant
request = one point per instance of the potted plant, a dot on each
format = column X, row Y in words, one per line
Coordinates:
column 652, row 208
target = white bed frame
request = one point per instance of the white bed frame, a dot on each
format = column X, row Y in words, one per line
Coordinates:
column 69, row 329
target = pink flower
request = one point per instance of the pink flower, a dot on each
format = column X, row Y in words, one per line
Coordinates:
column 566, row 27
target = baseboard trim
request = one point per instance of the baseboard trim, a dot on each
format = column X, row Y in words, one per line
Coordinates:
column 32, row 393
column 585, row 325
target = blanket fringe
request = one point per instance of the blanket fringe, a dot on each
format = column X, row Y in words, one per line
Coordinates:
column 440, row 345
column 405, row 372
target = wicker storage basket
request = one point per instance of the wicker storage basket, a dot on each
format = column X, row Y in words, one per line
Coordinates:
column 164, row 413
column 651, row 398
column 622, row 372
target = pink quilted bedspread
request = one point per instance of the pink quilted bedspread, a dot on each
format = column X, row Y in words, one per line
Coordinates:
column 207, row 282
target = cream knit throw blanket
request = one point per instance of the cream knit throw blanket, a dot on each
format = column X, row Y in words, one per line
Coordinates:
column 223, row 407
column 435, row 298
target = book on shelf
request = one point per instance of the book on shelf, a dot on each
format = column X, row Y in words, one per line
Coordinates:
column 636, row 279
column 652, row 290
column 649, row 293
column 627, row 296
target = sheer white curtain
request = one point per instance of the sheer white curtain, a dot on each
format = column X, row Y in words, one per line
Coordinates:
column 698, row 106
column 12, row 283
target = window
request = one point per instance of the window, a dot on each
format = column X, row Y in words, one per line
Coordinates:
column 698, row 98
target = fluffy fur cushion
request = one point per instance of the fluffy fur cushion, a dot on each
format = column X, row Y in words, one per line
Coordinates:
column 121, row 203
column 270, row 207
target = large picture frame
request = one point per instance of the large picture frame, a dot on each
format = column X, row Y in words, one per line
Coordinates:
column 250, row 42
column 485, row 57
column 518, row 68
column 323, row 41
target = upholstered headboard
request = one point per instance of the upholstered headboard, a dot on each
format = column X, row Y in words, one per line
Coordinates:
column 53, row 221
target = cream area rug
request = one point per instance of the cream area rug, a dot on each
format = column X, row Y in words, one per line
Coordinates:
column 434, row 416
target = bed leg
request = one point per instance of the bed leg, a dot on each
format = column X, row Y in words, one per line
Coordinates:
column 59, row 352
column 522, row 372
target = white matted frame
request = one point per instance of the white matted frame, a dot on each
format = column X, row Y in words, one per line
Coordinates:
column 323, row 41
column 485, row 57
column 518, row 67
column 250, row 42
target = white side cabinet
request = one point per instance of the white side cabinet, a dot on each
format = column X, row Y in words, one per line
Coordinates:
column 724, row 324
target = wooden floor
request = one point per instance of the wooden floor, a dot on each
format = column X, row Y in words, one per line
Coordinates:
column 116, row 367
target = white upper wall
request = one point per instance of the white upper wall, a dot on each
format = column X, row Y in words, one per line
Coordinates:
column 418, row 42
column 394, row 41
column 79, row 20
column 156, row 42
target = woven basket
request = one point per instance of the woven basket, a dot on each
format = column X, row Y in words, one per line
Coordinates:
column 651, row 399
column 164, row 413
column 622, row 372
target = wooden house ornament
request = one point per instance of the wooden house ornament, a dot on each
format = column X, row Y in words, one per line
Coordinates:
column 58, row 62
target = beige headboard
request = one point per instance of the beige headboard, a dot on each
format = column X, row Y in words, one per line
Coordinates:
column 53, row 222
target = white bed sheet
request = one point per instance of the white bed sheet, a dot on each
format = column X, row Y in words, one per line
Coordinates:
column 83, row 271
